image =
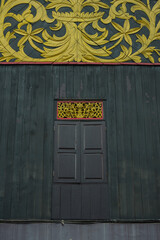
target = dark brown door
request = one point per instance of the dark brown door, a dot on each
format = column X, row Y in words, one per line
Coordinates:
column 80, row 190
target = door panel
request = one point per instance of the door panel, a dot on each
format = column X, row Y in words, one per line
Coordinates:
column 67, row 164
column 93, row 167
column 93, row 157
column 67, row 152
column 92, row 136
column 67, row 136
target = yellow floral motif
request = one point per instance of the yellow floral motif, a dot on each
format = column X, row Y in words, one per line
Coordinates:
column 29, row 35
column 80, row 30
column 124, row 32
column 79, row 110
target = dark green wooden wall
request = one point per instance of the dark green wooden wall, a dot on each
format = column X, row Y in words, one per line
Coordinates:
column 131, row 97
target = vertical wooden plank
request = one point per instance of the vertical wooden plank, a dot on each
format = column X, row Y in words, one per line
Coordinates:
column 148, row 141
column 32, row 190
column 56, row 199
column 76, row 207
column 105, row 204
column 17, row 181
column 2, row 92
column 82, row 82
column 56, row 80
column 85, row 93
column 21, row 112
column 95, row 195
column 86, row 202
column 10, row 135
column 97, row 81
column 100, row 77
column 94, row 81
column 136, row 141
column 120, row 143
column 70, row 82
column 4, row 117
column 143, row 148
column 155, row 206
column 141, row 138
column 89, row 82
column 151, row 139
column 62, row 82
column 78, row 81
column 2, row 139
column 128, row 117
column 99, row 201
column 48, row 145
column 112, row 144
column 157, row 165
column 39, row 138
column 24, row 172
column 65, row 204
column 31, row 204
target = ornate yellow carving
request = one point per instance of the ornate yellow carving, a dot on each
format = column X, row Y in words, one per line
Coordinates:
column 79, row 30
column 79, row 110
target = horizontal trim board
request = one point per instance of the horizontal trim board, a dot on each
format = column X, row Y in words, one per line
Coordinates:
column 116, row 221
column 41, row 231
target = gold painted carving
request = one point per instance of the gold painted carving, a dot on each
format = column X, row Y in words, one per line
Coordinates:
column 80, row 30
column 79, row 110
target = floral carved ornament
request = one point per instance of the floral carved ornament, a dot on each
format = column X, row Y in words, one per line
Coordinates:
column 80, row 31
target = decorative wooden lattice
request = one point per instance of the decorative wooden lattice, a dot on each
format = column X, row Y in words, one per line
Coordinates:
column 79, row 110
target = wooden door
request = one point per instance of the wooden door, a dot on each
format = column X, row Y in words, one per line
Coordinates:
column 80, row 189
column 67, row 152
column 93, row 156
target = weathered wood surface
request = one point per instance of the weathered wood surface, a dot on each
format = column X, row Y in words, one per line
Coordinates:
column 103, row 231
column 27, row 113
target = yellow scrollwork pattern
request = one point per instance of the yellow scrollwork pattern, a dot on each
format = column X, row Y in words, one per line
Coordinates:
column 79, row 110
column 80, row 31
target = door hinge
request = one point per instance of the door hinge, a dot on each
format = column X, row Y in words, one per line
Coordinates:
column 53, row 173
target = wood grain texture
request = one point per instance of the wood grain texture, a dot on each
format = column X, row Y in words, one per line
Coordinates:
column 27, row 113
column 109, row 231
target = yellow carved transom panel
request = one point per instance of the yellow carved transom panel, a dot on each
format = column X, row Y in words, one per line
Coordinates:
column 79, row 110
column 80, row 31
